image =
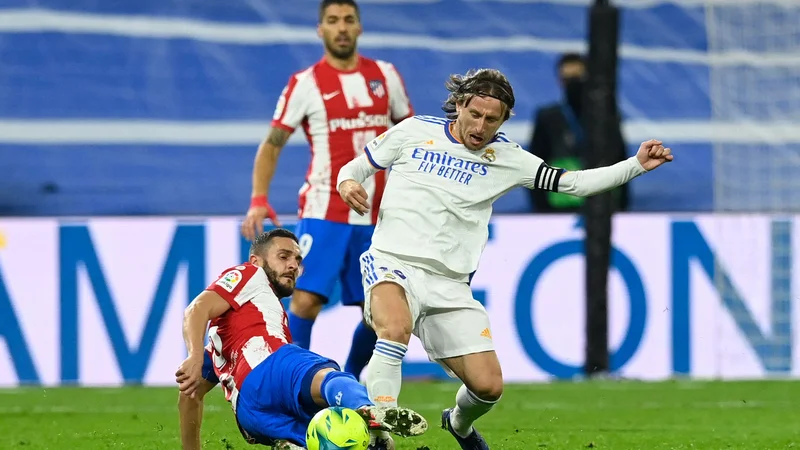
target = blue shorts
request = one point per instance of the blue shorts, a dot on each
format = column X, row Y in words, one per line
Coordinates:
column 275, row 399
column 331, row 253
column 208, row 369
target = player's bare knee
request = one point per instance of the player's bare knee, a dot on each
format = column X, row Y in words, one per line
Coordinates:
column 488, row 389
column 486, row 383
column 305, row 305
column 395, row 332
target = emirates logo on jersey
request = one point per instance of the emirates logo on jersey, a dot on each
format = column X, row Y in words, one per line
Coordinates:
column 363, row 120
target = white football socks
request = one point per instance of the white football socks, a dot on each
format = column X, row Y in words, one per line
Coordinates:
column 468, row 409
column 384, row 372
column 384, row 377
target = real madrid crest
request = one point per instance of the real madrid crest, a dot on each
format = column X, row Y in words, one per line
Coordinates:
column 488, row 155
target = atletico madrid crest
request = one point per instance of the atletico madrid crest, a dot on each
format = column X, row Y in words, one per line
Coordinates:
column 376, row 86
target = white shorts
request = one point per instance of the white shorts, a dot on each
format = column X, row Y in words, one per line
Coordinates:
column 446, row 318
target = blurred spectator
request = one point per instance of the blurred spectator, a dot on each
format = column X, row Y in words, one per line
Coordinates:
column 559, row 138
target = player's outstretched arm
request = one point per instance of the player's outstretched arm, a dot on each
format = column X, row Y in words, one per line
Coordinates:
column 203, row 308
column 263, row 170
column 584, row 183
column 190, row 412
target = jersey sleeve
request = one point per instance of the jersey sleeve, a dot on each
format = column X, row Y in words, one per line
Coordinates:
column 384, row 149
column 399, row 103
column 292, row 104
column 235, row 285
column 534, row 173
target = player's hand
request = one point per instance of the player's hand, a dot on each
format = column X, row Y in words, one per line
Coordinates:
column 652, row 154
column 353, row 193
column 253, row 224
column 189, row 375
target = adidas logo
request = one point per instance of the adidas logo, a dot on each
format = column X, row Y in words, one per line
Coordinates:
column 486, row 333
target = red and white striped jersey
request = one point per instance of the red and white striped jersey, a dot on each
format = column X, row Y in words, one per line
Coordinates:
column 245, row 335
column 341, row 112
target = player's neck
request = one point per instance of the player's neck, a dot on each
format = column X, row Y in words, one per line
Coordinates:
column 345, row 65
column 455, row 131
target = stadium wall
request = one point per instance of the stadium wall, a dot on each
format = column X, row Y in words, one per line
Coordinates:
column 122, row 108
column 99, row 301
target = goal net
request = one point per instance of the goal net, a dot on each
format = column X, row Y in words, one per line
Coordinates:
column 754, row 52
column 754, row 63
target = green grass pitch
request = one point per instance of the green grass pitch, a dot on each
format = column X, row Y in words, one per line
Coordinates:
column 617, row 415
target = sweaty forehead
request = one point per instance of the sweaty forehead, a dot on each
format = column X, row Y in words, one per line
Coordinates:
column 489, row 106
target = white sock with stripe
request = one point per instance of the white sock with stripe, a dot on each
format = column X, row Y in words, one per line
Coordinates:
column 468, row 409
column 384, row 372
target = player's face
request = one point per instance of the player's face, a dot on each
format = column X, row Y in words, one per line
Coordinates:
column 281, row 262
column 479, row 121
column 339, row 30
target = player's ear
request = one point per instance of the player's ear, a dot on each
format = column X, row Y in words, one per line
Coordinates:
column 319, row 30
column 254, row 260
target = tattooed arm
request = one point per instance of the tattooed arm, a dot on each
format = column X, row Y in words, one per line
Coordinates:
column 267, row 159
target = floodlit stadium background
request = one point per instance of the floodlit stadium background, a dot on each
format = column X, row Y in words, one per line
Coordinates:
column 128, row 129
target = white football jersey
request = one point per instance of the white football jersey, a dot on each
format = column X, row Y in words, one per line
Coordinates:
column 438, row 199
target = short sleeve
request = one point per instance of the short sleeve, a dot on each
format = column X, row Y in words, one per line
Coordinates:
column 399, row 103
column 384, row 149
column 231, row 285
column 535, row 174
column 292, row 104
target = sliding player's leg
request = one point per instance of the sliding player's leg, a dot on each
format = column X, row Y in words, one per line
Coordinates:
column 331, row 387
column 297, row 383
column 461, row 340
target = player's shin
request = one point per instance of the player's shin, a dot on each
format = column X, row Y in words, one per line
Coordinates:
column 342, row 389
column 384, row 372
column 469, row 407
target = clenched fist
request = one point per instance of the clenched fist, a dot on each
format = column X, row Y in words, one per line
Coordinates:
column 652, row 154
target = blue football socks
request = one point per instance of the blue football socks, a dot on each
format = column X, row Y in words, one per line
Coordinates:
column 360, row 349
column 301, row 330
column 342, row 389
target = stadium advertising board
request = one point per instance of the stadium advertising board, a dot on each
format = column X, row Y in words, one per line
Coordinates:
column 100, row 301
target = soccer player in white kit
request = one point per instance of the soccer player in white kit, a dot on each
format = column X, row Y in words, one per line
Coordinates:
column 433, row 226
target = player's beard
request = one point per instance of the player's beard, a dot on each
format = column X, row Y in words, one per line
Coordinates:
column 282, row 290
column 339, row 52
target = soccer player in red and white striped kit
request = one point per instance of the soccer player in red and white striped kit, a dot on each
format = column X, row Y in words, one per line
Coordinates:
column 342, row 102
